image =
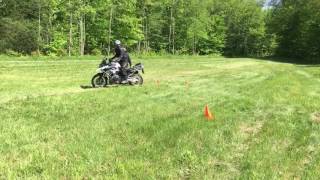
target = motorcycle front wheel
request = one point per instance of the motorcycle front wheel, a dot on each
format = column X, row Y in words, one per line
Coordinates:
column 99, row 81
column 136, row 80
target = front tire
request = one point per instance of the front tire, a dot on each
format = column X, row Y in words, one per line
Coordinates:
column 138, row 80
column 99, row 81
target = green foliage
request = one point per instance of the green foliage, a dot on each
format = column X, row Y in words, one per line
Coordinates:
column 245, row 31
column 57, row 46
column 296, row 24
column 11, row 53
column 96, row 52
column 234, row 28
column 17, row 36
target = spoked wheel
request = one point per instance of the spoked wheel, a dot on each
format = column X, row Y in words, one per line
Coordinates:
column 99, row 81
column 136, row 80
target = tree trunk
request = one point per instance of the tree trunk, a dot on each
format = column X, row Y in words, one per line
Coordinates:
column 173, row 37
column 147, row 36
column 144, row 35
column 110, row 31
column 50, row 27
column 245, row 46
column 139, row 47
column 39, row 28
column 70, row 34
column 194, row 44
column 82, row 34
column 145, row 31
column 149, row 32
column 170, row 28
column 47, row 34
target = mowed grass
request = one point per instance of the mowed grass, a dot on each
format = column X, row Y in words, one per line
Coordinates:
column 267, row 122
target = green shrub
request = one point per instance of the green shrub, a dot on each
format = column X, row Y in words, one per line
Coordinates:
column 35, row 53
column 18, row 36
column 96, row 52
column 61, row 52
column 12, row 53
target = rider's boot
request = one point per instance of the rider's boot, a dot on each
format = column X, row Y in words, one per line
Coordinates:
column 124, row 80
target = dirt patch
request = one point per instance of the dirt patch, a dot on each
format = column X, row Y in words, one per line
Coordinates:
column 315, row 117
column 251, row 129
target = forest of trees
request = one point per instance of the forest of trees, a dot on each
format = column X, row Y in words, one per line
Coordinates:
column 286, row 28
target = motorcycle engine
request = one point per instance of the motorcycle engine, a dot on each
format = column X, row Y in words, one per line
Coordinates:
column 116, row 79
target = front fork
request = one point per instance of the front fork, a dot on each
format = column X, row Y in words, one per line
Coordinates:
column 106, row 76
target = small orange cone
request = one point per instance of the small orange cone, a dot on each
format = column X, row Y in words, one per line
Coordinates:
column 208, row 114
column 158, row 83
column 187, row 84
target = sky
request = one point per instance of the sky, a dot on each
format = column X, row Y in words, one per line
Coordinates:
column 267, row 2
column 266, row 5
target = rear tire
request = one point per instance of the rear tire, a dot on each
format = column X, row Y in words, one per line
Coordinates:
column 99, row 81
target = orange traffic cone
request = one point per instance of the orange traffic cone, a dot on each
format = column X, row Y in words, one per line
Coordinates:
column 187, row 84
column 157, row 82
column 208, row 114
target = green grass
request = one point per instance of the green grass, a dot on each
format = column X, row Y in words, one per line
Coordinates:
column 265, row 126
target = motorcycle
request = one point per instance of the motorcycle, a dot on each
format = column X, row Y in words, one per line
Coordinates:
column 109, row 73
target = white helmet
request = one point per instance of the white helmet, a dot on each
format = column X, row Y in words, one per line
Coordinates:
column 117, row 42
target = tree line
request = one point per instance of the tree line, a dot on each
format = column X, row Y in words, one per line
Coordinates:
column 287, row 28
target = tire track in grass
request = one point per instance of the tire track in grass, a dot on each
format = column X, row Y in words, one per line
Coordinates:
column 270, row 127
column 260, row 126
column 227, row 125
column 255, row 140
column 35, row 101
column 228, row 128
column 25, row 97
column 248, row 130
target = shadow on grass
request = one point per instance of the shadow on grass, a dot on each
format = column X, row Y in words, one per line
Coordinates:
column 302, row 62
column 315, row 62
column 86, row 87
column 91, row 87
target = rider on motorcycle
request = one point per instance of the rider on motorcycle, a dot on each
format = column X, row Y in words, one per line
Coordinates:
column 122, row 56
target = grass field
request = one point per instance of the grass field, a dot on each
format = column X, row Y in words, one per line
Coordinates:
column 267, row 122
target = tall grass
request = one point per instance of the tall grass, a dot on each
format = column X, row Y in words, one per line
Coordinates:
column 265, row 126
